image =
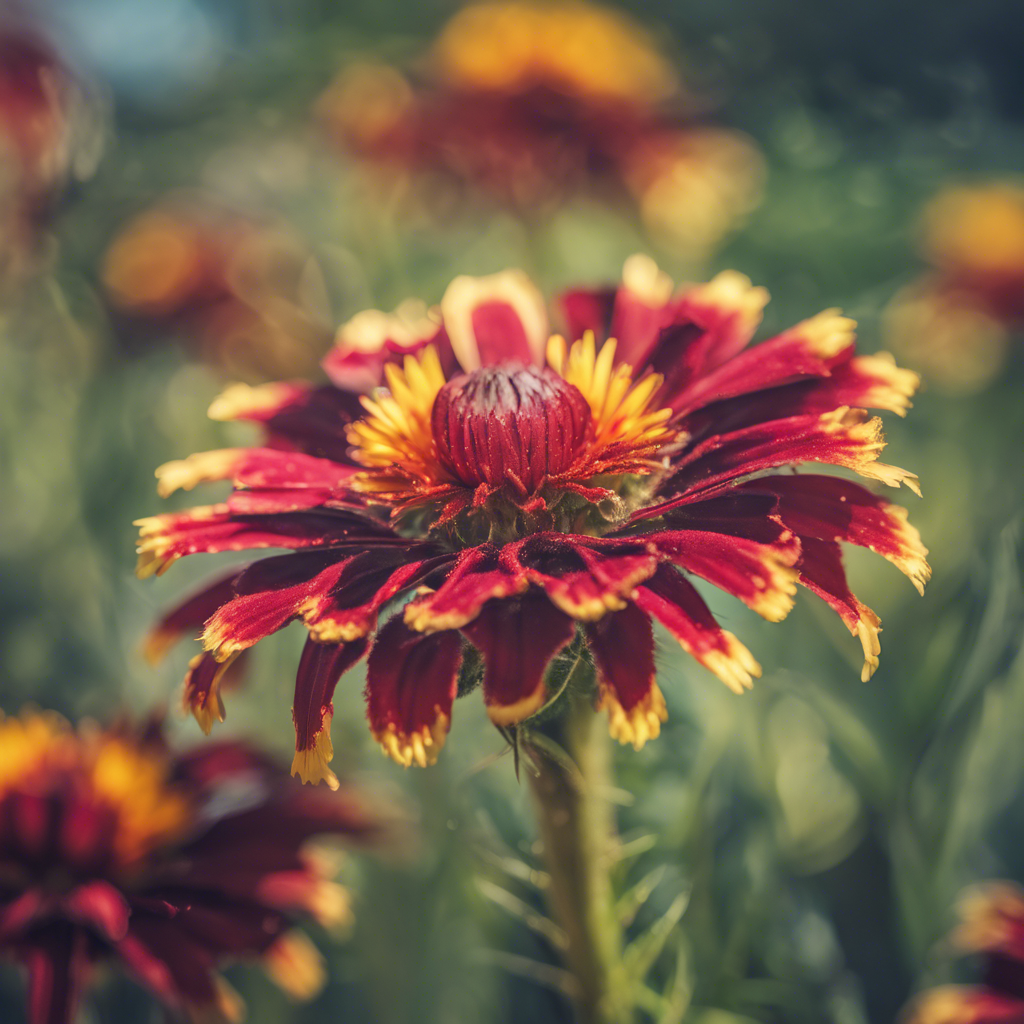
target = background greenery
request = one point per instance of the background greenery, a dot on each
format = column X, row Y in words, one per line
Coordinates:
column 820, row 826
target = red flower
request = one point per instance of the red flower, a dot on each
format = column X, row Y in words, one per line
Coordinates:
column 113, row 848
column 992, row 925
column 520, row 505
column 533, row 103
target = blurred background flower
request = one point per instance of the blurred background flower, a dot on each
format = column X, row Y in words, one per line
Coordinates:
column 821, row 827
column 113, row 848
column 532, row 103
column 958, row 321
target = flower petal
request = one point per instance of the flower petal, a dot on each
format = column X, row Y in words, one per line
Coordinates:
column 821, row 571
column 57, row 962
column 320, row 668
column 478, row 576
column 295, row 416
column 964, row 1004
column 675, row 603
column 760, row 575
column 831, row 508
column 411, row 683
column 517, row 638
column 200, row 694
column 810, row 348
column 623, row 648
column 585, row 577
column 843, row 437
column 188, row 617
column 495, row 319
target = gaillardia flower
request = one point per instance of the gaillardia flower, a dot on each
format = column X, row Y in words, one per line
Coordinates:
column 508, row 491
column 955, row 322
column 232, row 283
column 114, row 849
column 992, row 926
column 531, row 103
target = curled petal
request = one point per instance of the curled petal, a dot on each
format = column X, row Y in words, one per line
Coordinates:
column 478, row 576
column 623, row 648
column 411, row 682
column 821, row 571
column 518, row 639
column 760, row 575
column 188, row 617
column 201, row 689
column 320, row 668
column 830, row 508
column 675, row 603
column 585, row 577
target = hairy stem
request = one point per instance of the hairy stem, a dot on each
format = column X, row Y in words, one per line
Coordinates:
column 570, row 777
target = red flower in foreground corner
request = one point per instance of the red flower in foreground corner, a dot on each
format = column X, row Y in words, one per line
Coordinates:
column 520, row 502
column 991, row 924
column 113, row 848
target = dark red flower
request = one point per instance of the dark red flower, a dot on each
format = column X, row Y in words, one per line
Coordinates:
column 991, row 925
column 519, row 505
column 531, row 103
column 113, row 848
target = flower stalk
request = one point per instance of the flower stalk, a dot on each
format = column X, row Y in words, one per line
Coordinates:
column 570, row 778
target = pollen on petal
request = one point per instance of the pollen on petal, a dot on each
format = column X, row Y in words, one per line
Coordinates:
column 638, row 725
column 296, row 966
column 312, row 764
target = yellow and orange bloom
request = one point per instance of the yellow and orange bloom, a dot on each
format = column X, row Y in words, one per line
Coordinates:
column 531, row 103
column 956, row 322
column 529, row 492
column 232, row 284
column 991, row 926
column 112, row 848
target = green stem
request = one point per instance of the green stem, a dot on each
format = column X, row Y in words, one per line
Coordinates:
column 577, row 830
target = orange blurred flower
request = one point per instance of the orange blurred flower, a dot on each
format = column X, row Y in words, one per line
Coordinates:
column 243, row 290
column 955, row 322
column 532, row 103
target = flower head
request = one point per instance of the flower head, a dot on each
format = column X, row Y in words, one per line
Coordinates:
column 234, row 284
column 507, row 493
column 991, row 925
column 113, row 848
column 530, row 103
column 955, row 322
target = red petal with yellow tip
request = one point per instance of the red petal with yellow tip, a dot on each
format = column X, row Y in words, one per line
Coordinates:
column 517, row 639
column 584, row 576
column 478, row 576
column 411, row 681
column 320, row 668
column 675, row 603
column 623, row 648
